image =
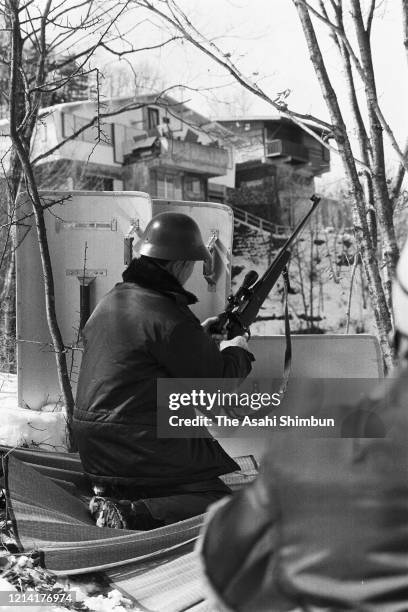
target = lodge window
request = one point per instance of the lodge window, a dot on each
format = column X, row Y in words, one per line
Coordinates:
column 251, row 183
column 97, row 183
column 325, row 154
column 194, row 187
column 168, row 187
column 153, row 118
column 284, row 132
column 72, row 123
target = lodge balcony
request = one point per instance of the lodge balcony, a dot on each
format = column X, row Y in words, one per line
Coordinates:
column 291, row 152
column 316, row 157
column 195, row 157
column 182, row 155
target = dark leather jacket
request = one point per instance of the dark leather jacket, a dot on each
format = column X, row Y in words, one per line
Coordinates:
column 140, row 331
column 325, row 525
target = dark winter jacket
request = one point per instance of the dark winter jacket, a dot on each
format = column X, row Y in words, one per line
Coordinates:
column 140, row 331
column 325, row 525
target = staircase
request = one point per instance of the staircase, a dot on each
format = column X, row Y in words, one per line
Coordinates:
column 255, row 238
column 254, row 222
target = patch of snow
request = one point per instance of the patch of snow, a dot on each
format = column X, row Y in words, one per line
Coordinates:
column 330, row 287
column 24, row 427
column 8, row 390
column 24, row 571
column 114, row 601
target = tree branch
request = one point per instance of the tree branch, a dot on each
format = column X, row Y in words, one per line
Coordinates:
column 180, row 22
column 370, row 17
column 383, row 205
column 23, row 155
column 93, row 122
column 396, row 184
column 361, row 72
column 404, row 6
column 365, row 145
column 361, row 228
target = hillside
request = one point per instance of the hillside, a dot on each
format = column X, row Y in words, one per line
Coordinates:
column 320, row 274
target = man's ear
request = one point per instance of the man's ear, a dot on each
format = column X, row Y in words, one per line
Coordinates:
column 175, row 267
column 168, row 265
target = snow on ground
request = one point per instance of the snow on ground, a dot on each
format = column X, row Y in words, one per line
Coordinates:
column 333, row 310
column 23, row 427
column 329, row 289
column 34, row 581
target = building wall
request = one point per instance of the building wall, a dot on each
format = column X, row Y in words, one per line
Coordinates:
column 136, row 177
column 178, row 168
column 252, row 133
column 285, row 180
column 71, row 174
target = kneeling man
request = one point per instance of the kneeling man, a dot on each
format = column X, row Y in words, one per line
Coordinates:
column 140, row 331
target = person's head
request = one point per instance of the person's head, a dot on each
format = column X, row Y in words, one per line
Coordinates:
column 173, row 240
column 400, row 304
column 180, row 269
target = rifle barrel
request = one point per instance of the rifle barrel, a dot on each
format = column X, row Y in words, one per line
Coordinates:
column 246, row 311
column 315, row 199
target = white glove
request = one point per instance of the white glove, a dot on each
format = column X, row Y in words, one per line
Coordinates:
column 240, row 341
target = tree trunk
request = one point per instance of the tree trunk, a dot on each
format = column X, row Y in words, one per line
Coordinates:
column 49, row 291
column 8, row 289
column 21, row 139
column 382, row 199
column 8, row 315
column 362, row 231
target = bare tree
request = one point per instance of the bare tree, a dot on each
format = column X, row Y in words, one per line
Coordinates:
column 373, row 191
column 232, row 104
column 38, row 60
column 126, row 78
column 373, row 209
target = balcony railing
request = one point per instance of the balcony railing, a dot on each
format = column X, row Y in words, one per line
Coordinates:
column 287, row 148
column 255, row 222
column 203, row 159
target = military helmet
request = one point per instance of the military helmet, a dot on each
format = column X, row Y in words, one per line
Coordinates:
column 400, row 293
column 173, row 236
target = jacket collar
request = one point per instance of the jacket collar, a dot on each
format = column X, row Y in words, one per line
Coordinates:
column 145, row 272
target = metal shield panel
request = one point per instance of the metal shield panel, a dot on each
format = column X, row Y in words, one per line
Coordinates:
column 86, row 231
column 215, row 221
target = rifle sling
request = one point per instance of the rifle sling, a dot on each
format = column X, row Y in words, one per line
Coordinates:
column 288, row 354
column 288, row 349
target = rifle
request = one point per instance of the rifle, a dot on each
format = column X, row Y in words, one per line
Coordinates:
column 243, row 307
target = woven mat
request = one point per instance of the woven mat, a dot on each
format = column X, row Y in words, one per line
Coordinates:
column 157, row 568
column 55, row 521
column 171, row 586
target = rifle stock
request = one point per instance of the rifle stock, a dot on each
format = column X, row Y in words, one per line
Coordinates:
column 243, row 307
